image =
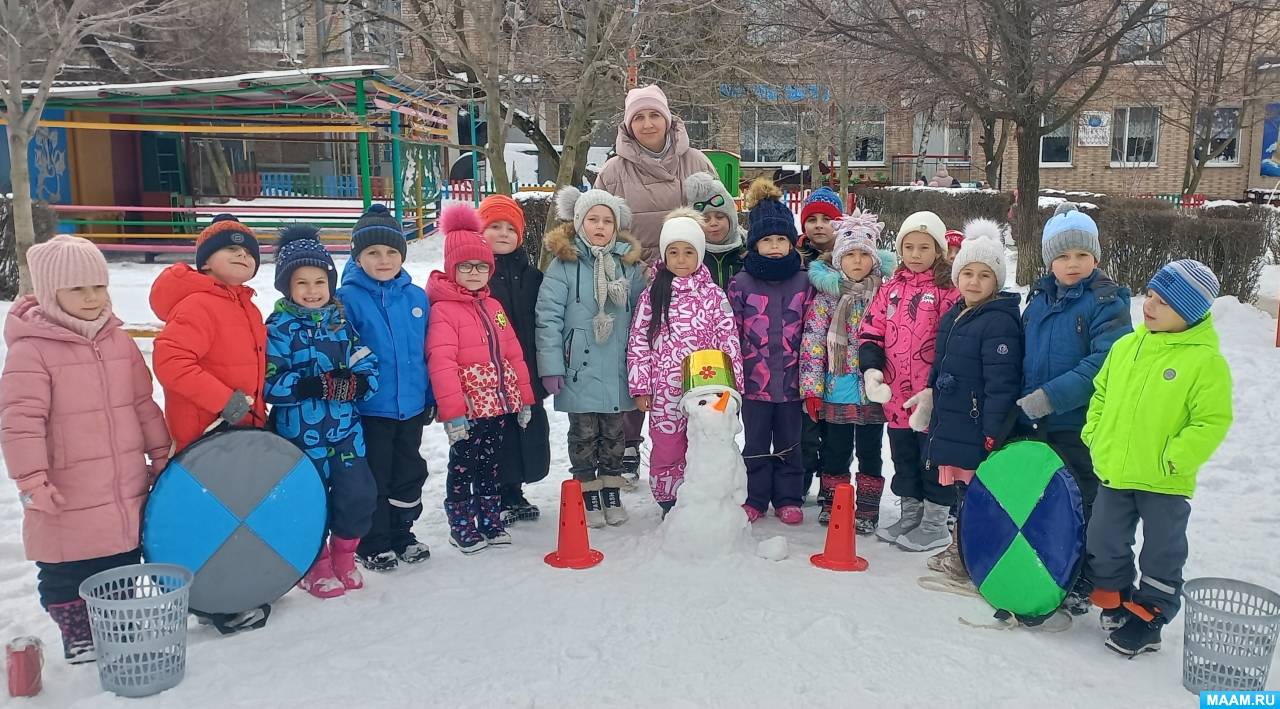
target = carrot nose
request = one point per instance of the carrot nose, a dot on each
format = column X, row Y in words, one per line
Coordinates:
column 722, row 403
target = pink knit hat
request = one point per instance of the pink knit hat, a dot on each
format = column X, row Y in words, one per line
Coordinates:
column 463, row 240
column 65, row 262
column 643, row 98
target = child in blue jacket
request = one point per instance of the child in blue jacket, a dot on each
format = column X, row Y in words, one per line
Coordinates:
column 390, row 313
column 316, row 371
column 1074, row 314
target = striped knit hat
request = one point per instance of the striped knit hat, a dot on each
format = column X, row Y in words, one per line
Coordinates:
column 299, row 245
column 224, row 231
column 822, row 201
column 378, row 226
column 1188, row 286
column 67, row 262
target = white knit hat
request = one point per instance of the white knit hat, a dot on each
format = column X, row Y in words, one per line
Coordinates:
column 683, row 224
column 983, row 243
column 926, row 222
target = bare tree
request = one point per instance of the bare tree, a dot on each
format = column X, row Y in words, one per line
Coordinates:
column 38, row 38
column 1010, row 60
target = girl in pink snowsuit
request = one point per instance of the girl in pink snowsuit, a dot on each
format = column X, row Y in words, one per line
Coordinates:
column 682, row 312
column 895, row 352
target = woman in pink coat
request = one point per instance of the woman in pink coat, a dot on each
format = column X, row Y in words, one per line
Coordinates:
column 479, row 378
column 895, row 352
column 682, row 312
column 76, row 420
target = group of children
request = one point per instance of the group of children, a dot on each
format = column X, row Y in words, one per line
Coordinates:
column 830, row 339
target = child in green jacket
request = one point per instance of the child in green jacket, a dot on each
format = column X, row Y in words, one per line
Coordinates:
column 1161, row 405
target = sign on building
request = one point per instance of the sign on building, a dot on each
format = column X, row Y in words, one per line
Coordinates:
column 1095, row 129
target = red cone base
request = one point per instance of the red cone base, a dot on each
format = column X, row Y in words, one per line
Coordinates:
column 841, row 552
column 574, row 549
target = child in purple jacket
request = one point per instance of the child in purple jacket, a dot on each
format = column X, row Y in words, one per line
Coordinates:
column 769, row 298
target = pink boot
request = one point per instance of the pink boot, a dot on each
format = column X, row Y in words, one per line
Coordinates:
column 752, row 513
column 320, row 580
column 344, row 562
column 791, row 515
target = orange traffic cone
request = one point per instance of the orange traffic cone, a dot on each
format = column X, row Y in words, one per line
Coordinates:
column 841, row 552
column 574, row 549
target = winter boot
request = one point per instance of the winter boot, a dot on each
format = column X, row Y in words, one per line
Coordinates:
column 523, row 509
column 463, row 534
column 1141, row 633
column 380, row 561
column 510, row 504
column 667, row 506
column 790, row 514
column 912, row 512
column 866, row 514
column 1077, row 601
column 948, row 563
column 77, row 637
column 342, row 553
column 752, row 513
column 611, row 494
column 414, row 552
column 630, row 468
column 1114, row 613
column 595, row 507
column 932, row 531
column 827, row 494
column 489, row 516
column 321, row 581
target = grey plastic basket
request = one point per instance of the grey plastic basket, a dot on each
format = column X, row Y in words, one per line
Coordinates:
column 1231, row 632
column 139, row 618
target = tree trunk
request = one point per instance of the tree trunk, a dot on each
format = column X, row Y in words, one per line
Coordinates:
column 495, row 149
column 844, row 160
column 24, row 229
column 1026, row 227
column 993, row 149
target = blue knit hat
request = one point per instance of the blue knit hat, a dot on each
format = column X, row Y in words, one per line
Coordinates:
column 299, row 245
column 822, row 201
column 768, row 216
column 1188, row 286
column 378, row 226
column 1069, row 228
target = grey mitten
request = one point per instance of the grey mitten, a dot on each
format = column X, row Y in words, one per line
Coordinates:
column 236, row 408
column 1036, row 405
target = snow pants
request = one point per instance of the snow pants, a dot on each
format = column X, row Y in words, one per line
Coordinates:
column 1110, row 540
column 842, row 441
column 775, row 465
column 910, row 477
column 666, row 463
column 596, row 444
column 59, row 582
column 398, row 474
column 473, row 461
column 352, row 492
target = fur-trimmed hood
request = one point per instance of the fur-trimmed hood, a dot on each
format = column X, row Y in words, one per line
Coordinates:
column 564, row 243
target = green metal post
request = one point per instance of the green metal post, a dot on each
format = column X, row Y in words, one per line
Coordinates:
column 397, row 185
column 475, row 157
column 362, row 112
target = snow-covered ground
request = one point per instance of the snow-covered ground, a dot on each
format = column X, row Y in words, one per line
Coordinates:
column 644, row 629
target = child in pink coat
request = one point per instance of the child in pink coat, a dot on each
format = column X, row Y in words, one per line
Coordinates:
column 681, row 312
column 479, row 377
column 77, row 424
column 895, row 352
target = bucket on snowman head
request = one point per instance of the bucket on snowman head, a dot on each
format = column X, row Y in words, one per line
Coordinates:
column 1230, row 636
column 706, row 370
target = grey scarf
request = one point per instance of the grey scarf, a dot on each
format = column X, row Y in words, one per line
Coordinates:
column 609, row 287
column 851, row 292
column 732, row 240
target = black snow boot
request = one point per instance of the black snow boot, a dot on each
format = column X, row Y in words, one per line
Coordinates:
column 1141, row 633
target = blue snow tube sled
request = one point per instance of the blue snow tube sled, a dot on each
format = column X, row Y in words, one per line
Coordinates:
column 1022, row 530
column 245, row 510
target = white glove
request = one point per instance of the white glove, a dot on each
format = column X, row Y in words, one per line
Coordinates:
column 877, row 390
column 523, row 417
column 923, row 405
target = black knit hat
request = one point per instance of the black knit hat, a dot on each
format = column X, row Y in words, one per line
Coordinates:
column 378, row 226
column 299, row 245
column 224, row 231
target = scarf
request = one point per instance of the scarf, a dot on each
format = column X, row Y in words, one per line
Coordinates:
column 772, row 269
column 87, row 329
column 609, row 287
column 658, row 156
column 732, row 240
column 851, row 292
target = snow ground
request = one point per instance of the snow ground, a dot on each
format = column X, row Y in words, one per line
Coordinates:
column 643, row 629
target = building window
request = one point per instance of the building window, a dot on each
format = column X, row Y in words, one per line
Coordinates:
column 1142, row 43
column 275, row 26
column 1223, row 129
column 947, row 137
column 1055, row 146
column 376, row 35
column 770, row 133
column 697, row 123
column 1135, row 133
column 866, row 135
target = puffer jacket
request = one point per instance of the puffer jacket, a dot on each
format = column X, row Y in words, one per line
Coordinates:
column 897, row 336
column 975, row 380
column 1068, row 338
column 212, row 344
column 307, row 343
column 79, row 414
column 816, row 380
column 595, row 374
column 698, row 318
column 770, row 316
column 391, row 318
column 515, row 285
column 477, row 367
column 1161, row 406
column 651, row 187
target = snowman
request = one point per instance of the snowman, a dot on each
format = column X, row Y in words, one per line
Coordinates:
column 708, row 520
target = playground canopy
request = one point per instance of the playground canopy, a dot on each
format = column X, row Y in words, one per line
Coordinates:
column 148, row 162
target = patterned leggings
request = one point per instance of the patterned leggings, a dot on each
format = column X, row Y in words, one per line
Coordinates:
column 473, row 461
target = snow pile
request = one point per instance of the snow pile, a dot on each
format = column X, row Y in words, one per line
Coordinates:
column 944, row 190
column 708, row 520
column 1048, row 202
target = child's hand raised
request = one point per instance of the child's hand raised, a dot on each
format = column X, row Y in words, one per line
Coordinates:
column 644, row 403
